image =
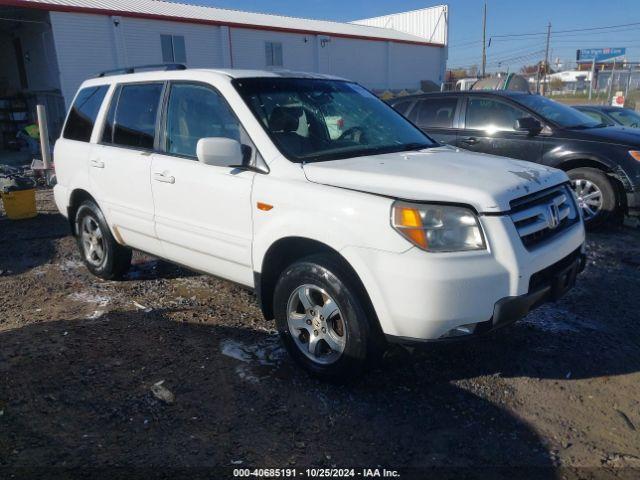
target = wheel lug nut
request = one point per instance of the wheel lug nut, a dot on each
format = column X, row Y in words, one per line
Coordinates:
column 308, row 322
column 311, row 312
column 324, row 330
column 321, row 317
column 315, row 332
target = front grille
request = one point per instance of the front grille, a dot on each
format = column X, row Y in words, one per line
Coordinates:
column 543, row 215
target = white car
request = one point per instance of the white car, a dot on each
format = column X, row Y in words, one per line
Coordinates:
column 379, row 235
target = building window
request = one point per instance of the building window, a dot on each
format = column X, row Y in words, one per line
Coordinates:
column 273, row 51
column 173, row 49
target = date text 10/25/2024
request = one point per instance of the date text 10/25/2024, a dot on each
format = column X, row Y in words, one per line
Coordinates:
column 315, row 473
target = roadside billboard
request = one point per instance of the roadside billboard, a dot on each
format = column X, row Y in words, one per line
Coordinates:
column 599, row 54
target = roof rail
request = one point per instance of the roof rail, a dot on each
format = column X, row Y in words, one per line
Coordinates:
column 138, row 68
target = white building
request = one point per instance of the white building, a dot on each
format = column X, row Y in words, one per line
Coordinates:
column 48, row 47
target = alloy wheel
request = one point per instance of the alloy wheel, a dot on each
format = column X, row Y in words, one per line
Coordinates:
column 93, row 244
column 316, row 324
column 589, row 197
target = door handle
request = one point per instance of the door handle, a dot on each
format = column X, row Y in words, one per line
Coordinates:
column 95, row 163
column 164, row 177
column 470, row 141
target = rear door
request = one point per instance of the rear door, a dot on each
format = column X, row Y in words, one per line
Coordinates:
column 120, row 165
column 488, row 126
column 203, row 212
column 436, row 116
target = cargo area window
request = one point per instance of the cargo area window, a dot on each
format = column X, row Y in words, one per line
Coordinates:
column 84, row 112
column 273, row 52
column 173, row 49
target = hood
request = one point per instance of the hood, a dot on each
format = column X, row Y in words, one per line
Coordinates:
column 443, row 174
column 619, row 135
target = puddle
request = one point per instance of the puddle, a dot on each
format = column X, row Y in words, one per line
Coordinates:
column 87, row 297
column 267, row 352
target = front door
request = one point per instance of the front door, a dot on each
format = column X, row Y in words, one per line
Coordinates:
column 202, row 212
column 120, row 164
column 489, row 127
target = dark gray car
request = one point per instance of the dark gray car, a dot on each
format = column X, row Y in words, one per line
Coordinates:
column 603, row 162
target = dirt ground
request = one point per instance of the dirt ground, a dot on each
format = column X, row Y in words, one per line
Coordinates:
column 555, row 396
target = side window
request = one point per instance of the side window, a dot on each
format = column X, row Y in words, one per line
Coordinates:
column 273, row 53
column 173, row 49
column 490, row 114
column 84, row 112
column 437, row 112
column 195, row 112
column 135, row 116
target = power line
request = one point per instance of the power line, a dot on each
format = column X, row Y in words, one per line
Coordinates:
column 589, row 29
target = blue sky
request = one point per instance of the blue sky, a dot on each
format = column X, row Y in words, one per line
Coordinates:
column 504, row 17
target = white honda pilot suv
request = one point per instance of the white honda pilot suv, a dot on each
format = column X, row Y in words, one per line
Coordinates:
column 375, row 235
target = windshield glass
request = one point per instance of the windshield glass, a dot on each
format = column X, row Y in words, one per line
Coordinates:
column 628, row 118
column 558, row 113
column 313, row 120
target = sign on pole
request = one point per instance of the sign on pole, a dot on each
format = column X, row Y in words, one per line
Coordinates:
column 599, row 54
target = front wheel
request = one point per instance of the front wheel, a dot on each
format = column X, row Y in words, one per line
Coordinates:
column 321, row 318
column 596, row 195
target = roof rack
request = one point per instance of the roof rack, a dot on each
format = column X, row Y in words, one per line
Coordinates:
column 138, row 68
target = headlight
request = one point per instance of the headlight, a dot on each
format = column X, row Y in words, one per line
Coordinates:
column 438, row 228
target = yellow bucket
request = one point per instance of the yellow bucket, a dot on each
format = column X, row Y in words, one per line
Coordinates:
column 20, row 204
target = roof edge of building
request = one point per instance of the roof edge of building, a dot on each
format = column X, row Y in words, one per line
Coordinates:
column 66, row 8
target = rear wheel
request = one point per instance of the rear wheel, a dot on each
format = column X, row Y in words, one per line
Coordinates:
column 596, row 195
column 102, row 255
column 322, row 320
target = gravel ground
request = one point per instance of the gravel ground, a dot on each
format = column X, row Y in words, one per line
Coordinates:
column 80, row 359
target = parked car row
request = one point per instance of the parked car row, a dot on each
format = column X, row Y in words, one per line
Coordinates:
column 354, row 227
column 602, row 161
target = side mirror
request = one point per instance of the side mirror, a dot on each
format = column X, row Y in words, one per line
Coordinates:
column 219, row 151
column 528, row 124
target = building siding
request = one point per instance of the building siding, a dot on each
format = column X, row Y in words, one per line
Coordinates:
column 142, row 42
column 89, row 43
column 84, row 46
column 249, row 49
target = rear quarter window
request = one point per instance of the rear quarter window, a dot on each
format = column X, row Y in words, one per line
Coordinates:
column 83, row 114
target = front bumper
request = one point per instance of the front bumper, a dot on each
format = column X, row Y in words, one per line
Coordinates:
column 548, row 285
column 418, row 295
column 633, row 203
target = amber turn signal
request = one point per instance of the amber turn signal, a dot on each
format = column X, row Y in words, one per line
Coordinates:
column 265, row 207
column 408, row 222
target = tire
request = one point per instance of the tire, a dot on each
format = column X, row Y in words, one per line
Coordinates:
column 604, row 206
column 358, row 339
column 107, row 259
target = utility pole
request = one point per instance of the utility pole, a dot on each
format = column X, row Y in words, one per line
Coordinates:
column 593, row 77
column 484, row 40
column 546, row 59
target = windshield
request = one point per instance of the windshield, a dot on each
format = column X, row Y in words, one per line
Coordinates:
column 628, row 118
column 313, row 120
column 558, row 113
